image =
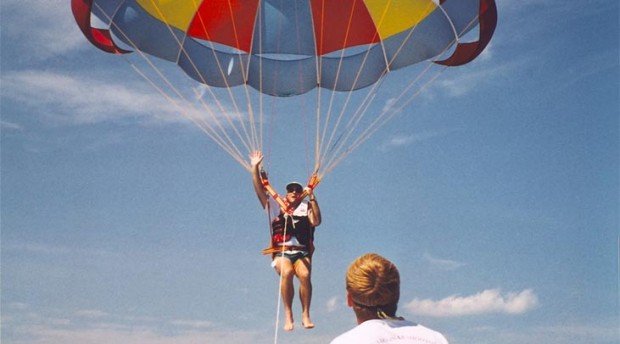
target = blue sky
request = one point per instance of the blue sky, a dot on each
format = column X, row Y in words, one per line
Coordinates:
column 495, row 192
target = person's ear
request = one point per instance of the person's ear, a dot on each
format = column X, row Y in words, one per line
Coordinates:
column 349, row 300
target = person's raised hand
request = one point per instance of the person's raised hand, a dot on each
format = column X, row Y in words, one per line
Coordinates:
column 256, row 157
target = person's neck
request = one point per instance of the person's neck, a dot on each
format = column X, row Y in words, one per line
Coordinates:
column 364, row 316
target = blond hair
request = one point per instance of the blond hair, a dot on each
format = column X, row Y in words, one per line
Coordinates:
column 373, row 281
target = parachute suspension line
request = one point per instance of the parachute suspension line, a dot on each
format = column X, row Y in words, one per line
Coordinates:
column 350, row 92
column 333, row 92
column 270, row 134
column 410, row 99
column 201, row 123
column 385, row 57
column 361, row 110
column 245, row 141
column 353, row 124
column 256, row 144
column 385, row 116
column 388, row 114
column 260, row 58
column 456, row 35
column 303, row 106
column 304, row 117
column 250, row 139
column 205, row 106
column 359, row 113
column 272, row 109
column 318, row 68
column 205, row 126
column 202, row 126
column 456, row 41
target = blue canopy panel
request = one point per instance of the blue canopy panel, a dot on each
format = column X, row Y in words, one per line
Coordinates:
column 138, row 29
column 104, row 10
column 353, row 72
column 282, row 78
column 284, row 27
column 213, row 67
column 463, row 14
column 433, row 36
column 426, row 40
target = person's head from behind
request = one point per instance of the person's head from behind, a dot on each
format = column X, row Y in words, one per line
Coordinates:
column 373, row 287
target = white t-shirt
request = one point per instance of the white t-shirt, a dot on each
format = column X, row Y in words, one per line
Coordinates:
column 379, row 331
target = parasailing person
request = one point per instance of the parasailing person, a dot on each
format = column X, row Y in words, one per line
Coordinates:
column 292, row 221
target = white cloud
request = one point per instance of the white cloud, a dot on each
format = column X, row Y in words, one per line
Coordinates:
column 389, row 105
column 196, row 324
column 487, row 53
column 487, row 301
column 85, row 326
column 72, row 100
column 333, row 304
column 36, row 248
column 91, row 313
column 466, row 80
column 550, row 334
column 444, row 264
column 58, row 321
column 400, row 140
column 567, row 333
column 10, row 126
column 45, row 28
column 54, row 335
column 20, row 306
column 397, row 141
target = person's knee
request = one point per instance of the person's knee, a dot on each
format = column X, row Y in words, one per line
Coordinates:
column 287, row 272
column 303, row 274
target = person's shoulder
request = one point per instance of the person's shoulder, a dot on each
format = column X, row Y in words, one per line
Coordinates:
column 414, row 330
column 350, row 336
column 372, row 330
column 359, row 334
column 432, row 334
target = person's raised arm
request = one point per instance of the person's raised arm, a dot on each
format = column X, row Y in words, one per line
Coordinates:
column 256, row 158
column 314, row 215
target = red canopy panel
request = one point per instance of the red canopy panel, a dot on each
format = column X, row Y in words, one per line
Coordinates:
column 339, row 24
column 228, row 22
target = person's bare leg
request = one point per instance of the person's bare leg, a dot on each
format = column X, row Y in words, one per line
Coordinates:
column 303, row 269
column 284, row 267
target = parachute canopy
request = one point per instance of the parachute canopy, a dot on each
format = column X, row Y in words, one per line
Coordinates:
column 289, row 47
column 328, row 49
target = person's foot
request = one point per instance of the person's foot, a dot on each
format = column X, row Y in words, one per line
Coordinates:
column 306, row 322
column 289, row 325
